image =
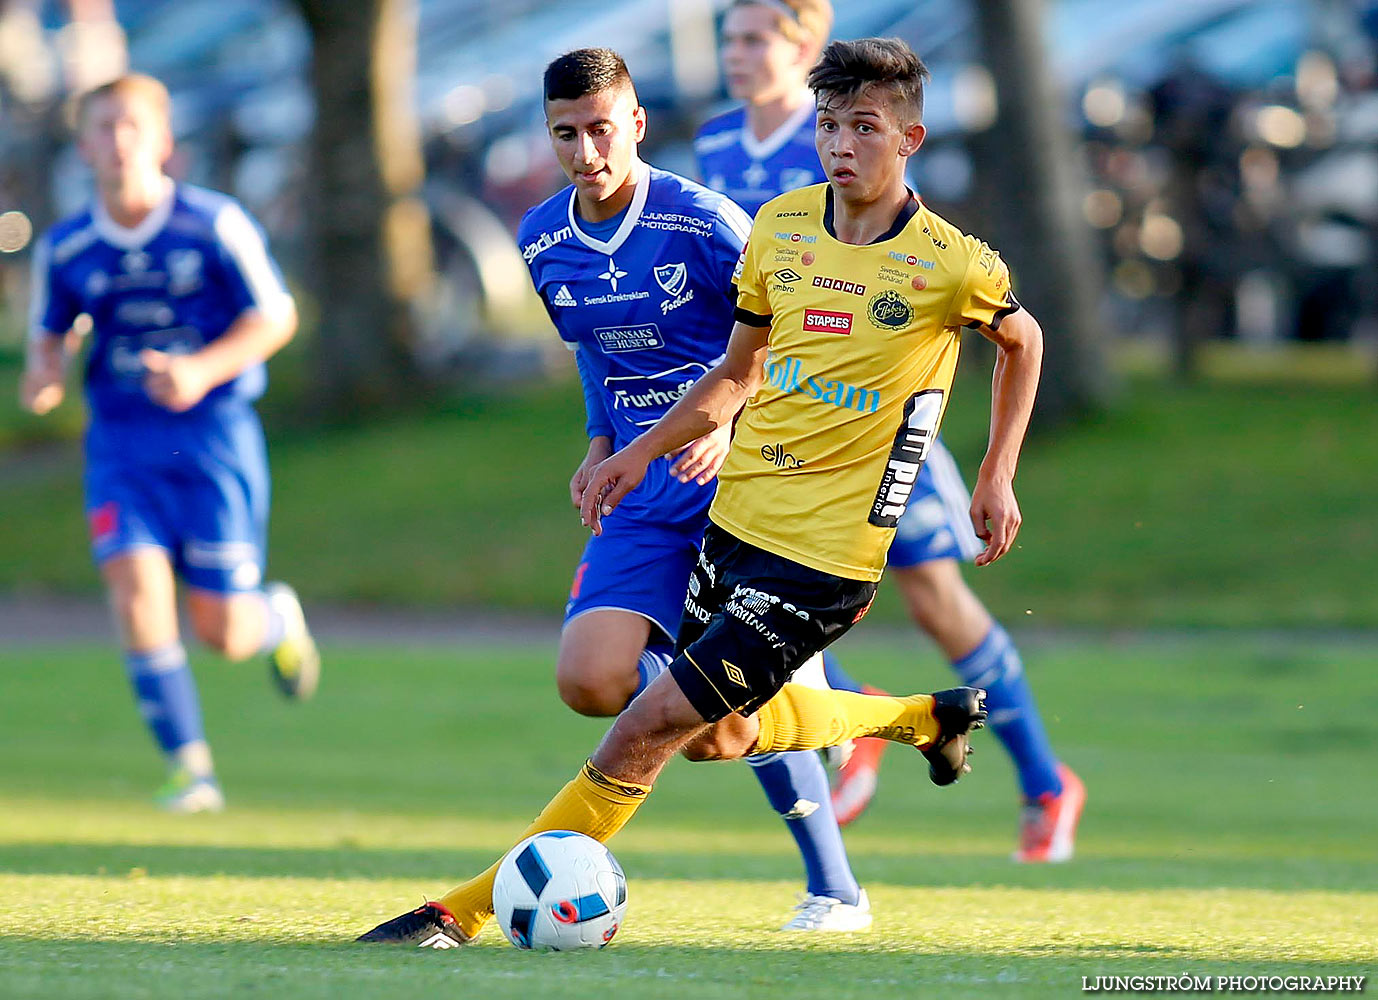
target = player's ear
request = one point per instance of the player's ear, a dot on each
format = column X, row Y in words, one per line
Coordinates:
column 639, row 118
column 912, row 139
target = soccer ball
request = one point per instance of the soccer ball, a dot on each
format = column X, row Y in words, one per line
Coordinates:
column 558, row 891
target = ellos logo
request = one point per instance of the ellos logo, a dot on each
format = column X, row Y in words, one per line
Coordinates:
column 827, row 321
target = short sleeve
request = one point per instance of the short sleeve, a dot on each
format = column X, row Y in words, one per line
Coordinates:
column 985, row 297
column 254, row 280
column 751, row 283
column 731, row 231
column 52, row 307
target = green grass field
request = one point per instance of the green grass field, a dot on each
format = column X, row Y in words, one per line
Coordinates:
column 1229, row 832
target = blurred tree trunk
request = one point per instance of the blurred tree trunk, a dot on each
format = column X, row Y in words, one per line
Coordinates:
column 371, row 232
column 1028, row 168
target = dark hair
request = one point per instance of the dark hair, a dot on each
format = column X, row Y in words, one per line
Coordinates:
column 585, row 71
column 846, row 70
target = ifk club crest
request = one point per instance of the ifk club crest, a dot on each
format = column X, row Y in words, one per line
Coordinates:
column 672, row 277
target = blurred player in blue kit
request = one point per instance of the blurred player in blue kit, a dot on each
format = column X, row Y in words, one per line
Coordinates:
column 752, row 154
column 634, row 265
column 185, row 305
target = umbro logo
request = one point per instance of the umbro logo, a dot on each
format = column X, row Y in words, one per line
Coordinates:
column 788, row 275
column 563, row 297
column 439, row 940
column 734, row 674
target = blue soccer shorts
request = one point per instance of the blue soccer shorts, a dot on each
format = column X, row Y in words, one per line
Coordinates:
column 937, row 522
column 637, row 567
column 207, row 507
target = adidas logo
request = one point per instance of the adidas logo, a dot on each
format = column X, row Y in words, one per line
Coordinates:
column 563, row 298
column 439, row 940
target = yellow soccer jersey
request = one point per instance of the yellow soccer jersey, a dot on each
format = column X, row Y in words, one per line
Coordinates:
column 863, row 347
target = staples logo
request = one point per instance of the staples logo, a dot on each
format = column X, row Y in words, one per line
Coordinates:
column 826, row 321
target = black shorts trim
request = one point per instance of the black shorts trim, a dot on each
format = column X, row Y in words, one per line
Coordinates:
column 751, row 618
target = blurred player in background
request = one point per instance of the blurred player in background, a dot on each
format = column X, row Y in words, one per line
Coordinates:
column 185, row 306
column 752, row 154
column 634, row 265
column 839, row 397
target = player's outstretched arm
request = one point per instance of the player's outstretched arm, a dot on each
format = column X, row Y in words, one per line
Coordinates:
column 710, row 404
column 994, row 510
column 179, row 382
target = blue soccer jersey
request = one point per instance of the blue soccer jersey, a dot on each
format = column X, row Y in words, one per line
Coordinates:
column 195, row 483
column 752, row 171
column 173, row 283
column 646, row 301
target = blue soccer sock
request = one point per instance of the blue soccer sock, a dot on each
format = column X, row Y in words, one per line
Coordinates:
column 995, row 665
column 838, row 679
column 274, row 625
column 654, row 661
column 166, row 693
column 797, row 786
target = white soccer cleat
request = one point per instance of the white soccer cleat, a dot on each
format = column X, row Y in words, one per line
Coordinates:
column 185, row 793
column 295, row 663
column 824, row 913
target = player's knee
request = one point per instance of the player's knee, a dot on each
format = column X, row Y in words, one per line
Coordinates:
column 226, row 633
column 727, row 740
column 590, row 691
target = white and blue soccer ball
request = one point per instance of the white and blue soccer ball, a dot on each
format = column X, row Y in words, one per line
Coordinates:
column 558, row 891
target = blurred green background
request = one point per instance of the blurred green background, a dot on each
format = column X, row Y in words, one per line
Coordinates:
column 1240, row 499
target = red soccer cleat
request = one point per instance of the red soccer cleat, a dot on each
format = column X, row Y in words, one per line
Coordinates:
column 1048, row 827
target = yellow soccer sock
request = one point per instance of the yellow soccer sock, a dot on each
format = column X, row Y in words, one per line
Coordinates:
column 592, row 803
column 805, row 718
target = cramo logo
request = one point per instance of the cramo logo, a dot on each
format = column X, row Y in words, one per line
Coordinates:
column 544, row 242
column 787, row 375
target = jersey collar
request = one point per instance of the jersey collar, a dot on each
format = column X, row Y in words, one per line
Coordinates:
column 910, row 209
column 764, row 149
column 127, row 238
column 643, row 185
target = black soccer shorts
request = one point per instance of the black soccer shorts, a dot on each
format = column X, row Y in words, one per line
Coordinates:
column 751, row 618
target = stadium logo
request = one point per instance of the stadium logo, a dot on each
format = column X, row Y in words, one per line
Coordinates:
column 827, row 321
column 642, row 399
column 544, row 242
column 890, row 310
column 672, row 277
column 838, row 285
column 796, row 238
column 912, row 261
column 787, row 375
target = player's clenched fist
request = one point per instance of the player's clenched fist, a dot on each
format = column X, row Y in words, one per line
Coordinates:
column 172, row 380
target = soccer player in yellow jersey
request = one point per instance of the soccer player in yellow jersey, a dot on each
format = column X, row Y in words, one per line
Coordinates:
column 839, row 363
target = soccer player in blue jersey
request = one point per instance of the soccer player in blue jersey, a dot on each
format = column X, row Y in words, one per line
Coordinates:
column 635, row 267
column 758, row 151
column 185, row 305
